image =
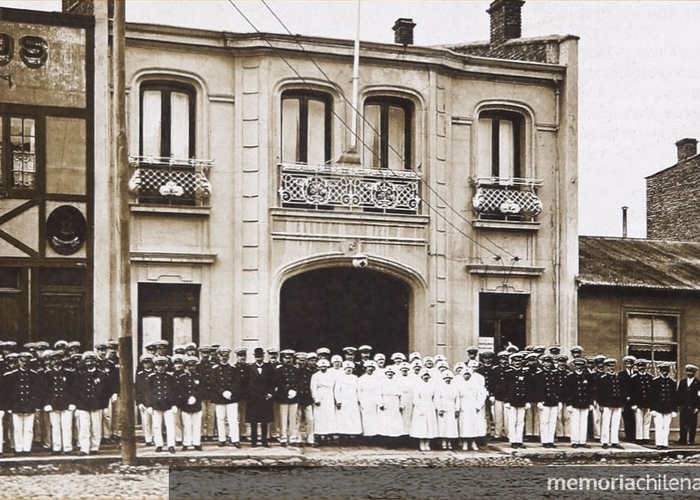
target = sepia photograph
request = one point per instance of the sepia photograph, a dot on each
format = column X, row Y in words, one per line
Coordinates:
column 349, row 249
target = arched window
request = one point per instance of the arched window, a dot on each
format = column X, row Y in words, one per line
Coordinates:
column 167, row 120
column 306, row 127
column 388, row 130
column 501, row 144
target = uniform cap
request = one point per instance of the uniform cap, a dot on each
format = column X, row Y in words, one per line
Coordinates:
column 547, row 357
column 472, row 363
column 414, row 355
column 447, row 374
column 404, row 366
column 487, row 354
column 150, row 346
column 178, row 358
column 89, row 355
column 577, row 348
column 348, row 364
column 113, row 343
column 364, row 348
column 179, row 349
column 47, row 354
column 516, row 355
column 215, row 346
column 223, row 350
column 629, row 358
column 73, row 343
column 287, row 352
column 74, row 356
column 390, row 369
column 146, row 357
column 369, row 363
column 323, row 362
column 25, row 354
column 336, row 357
column 160, row 360
column 562, row 357
column 590, row 359
column 323, row 350
column 191, row 360
column 60, row 344
column 416, row 362
column 442, row 364
column 300, row 355
column 312, row 355
column 273, row 350
column 101, row 346
column 512, row 347
column 579, row 362
column 190, row 346
column 472, row 348
column 532, row 355
column 503, row 354
column 691, row 368
column 56, row 354
column 379, row 356
column 641, row 361
column 12, row 343
column 42, row 345
column 349, row 350
column 162, row 343
column 600, row 358
column 241, row 351
column 610, row 361
column 399, row 356
column 440, row 357
column 664, row 365
column 459, row 367
column 205, row 348
column 13, row 355
column 424, row 372
column 554, row 349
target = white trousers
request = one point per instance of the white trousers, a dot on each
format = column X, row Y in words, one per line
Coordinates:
column 61, row 430
column 579, row 425
column 548, row 423
column 563, row 422
column 90, row 429
column 288, row 421
column 610, row 425
column 227, row 414
column 516, row 424
column 305, row 413
column 662, row 427
column 642, row 419
column 500, row 419
column 108, row 427
column 147, row 425
column 24, row 431
column 158, row 417
column 191, row 428
column 177, row 418
column 208, row 418
column 596, row 421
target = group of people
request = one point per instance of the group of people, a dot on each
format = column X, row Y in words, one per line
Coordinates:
column 196, row 393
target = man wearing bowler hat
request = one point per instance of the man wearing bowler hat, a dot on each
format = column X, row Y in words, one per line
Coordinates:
column 688, row 394
column 261, row 387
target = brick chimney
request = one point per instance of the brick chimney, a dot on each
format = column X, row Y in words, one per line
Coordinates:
column 403, row 31
column 505, row 20
column 687, row 148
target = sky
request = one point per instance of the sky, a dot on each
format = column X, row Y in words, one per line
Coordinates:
column 639, row 72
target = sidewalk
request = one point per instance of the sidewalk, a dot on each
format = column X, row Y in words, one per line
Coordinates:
column 495, row 453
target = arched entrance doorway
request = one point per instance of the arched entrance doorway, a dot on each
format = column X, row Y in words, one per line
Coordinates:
column 339, row 307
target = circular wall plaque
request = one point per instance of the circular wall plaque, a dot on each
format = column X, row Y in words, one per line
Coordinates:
column 65, row 229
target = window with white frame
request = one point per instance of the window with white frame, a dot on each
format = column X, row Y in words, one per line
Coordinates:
column 388, row 133
column 18, row 154
column 306, row 127
column 167, row 120
column 653, row 336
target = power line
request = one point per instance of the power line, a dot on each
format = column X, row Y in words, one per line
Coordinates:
column 310, row 87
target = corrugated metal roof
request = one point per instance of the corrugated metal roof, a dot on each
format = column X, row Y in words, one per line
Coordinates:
column 639, row 263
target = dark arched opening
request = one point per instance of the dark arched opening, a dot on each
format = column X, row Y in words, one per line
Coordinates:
column 339, row 307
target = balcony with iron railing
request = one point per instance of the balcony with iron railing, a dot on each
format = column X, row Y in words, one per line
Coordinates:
column 508, row 200
column 349, row 188
column 170, row 181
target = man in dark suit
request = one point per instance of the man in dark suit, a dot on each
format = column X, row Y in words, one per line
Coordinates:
column 25, row 393
column 688, row 395
column 663, row 404
column 261, row 387
column 628, row 417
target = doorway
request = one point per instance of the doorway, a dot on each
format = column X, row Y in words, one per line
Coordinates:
column 168, row 312
column 502, row 320
column 339, row 307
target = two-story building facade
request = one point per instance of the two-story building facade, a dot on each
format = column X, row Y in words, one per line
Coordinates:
column 267, row 208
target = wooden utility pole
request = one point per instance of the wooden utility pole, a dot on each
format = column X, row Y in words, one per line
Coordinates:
column 126, row 382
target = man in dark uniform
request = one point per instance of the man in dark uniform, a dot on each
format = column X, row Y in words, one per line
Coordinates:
column 486, row 370
column 578, row 395
column 640, row 401
column 206, row 362
column 91, row 393
column 57, row 383
column 627, row 412
column 663, row 404
column 611, row 395
column 517, row 399
column 141, row 392
column 532, row 414
column 162, row 399
column 305, row 402
column 548, row 396
column 498, row 391
column 225, row 394
column 563, row 416
column 111, row 371
column 288, row 381
column 261, row 387
column 25, row 394
column 349, row 355
column 243, row 372
column 190, row 390
column 472, row 354
column 688, row 394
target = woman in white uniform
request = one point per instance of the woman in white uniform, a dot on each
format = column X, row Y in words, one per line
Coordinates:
column 424, row 421
column 472, row 396
column 447, row 406
column 348, row 419
column 369, row 394
column 322, row 384
column 390, row 407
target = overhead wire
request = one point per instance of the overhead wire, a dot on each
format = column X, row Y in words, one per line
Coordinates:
column 359, row 139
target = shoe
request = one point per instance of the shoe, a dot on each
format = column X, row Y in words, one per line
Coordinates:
column 284, row 444
column 244, row 439
column 184, row 448
column 82, row 454
column 236, row 444
column 552, row 445
column 266, row 445
column 617, row 445
column 475, row 447
column 55, row 452
column 159, row 449
column 171, row 449
column 253, row 445
column 681, row 441
column 222, row 444
column 150, row 443
column 606, row 446
column 94, row 452
column 574, row 445
column 313, row 445
column 583, row 445
column 178, row 443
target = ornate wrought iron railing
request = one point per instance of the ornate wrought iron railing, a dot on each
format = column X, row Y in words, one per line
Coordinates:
column 510, row 199
column 329, row 186
column 170, row 181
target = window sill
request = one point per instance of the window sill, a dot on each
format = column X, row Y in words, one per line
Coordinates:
column 507, row 270
column 169, row 210
column 506, row 224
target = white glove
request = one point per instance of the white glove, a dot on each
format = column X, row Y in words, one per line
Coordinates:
column 492, row 399
column 528, row 406
column 654, row 413
column 570, row 409
column 292, row 394
column 48, row 408
column 191, row 400
column 149, row 410
column 114, row 398
column 142, row 407
column 674, row 414
column 540, row 405
column 71, row 407
column 506, row 406
column 560, row 406
column 174, row 409
column 633, row 407
column 227, row 394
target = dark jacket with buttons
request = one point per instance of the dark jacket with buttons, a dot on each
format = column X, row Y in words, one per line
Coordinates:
column 663, row 395
column 610, row 391
column 190, row 385
column 517, row 387
column 141, row 386
column 498, row 382
column 640, row 390
column 162, row 391
column 91, row 389
column 224, row 378
column 57, row 388
column 688, row 396
column 547, row 388
column 24, row 390
column 288, row 379
column 579, row 390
